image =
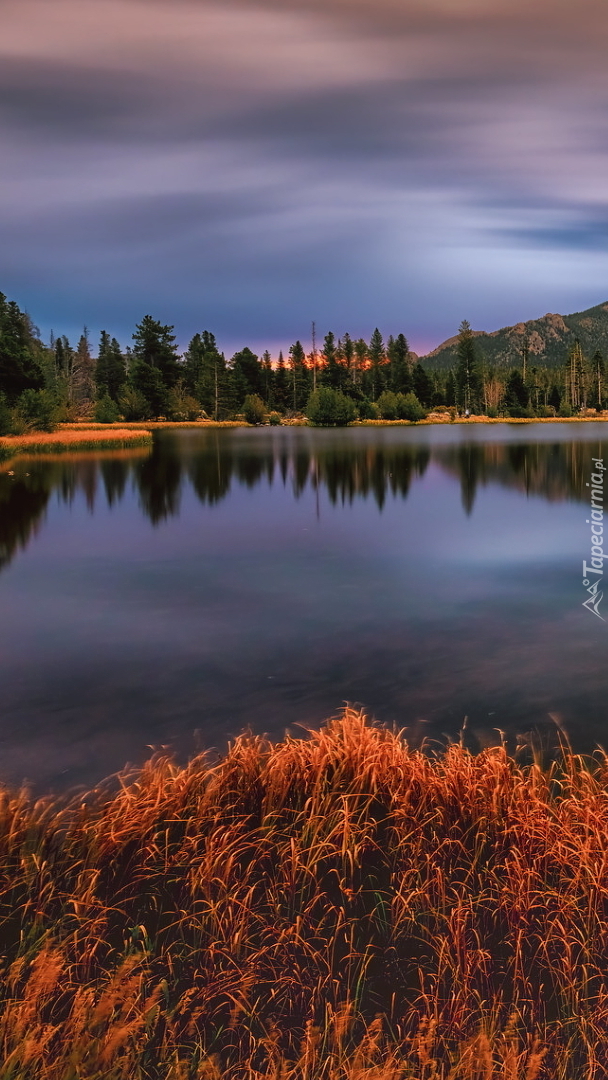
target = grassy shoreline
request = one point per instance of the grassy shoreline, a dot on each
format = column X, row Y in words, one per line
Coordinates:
column 338, row 907
column 71, row 439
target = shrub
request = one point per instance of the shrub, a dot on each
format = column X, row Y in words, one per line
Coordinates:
column 133, row 404
column 409, row 408
column 565, row 409
column 6, row 419
column 387, row 404
column 38, row 410
column 368, row 410
column 182, row 406
column 254, row 409
column 106, row 410
column 274, row 418
column 330, row 408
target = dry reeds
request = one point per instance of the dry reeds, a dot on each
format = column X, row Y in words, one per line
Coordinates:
column 333, row 908
column 45, row 442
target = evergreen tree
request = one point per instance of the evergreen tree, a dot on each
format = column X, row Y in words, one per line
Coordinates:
column 348, row 353
column 377, row 357
column 19, row 352
column 267, row 380
column 110, row 371
column 247, row 376
column 155, row 346
column 300, row 381
column 206, row 377
column 281, row 388
column 468, row 378
column 516, row 394
column 82, row 382
column 598, row 373
column 400, row 374
column 422, row 385
column 360, row 361
column 331, row 374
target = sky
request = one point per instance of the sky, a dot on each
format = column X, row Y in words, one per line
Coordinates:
column 249, row 167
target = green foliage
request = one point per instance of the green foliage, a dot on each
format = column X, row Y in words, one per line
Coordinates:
column 368, row 410
column 106, row 410
column 19, row 352
column 110, row 371
column 330, row 408
column 254, row 409
column 274, row 418
column 155, row 346
column 38, row 410
column 181, row 405
column 133, row 405
column 565, row 410
column 149, row 383
column 300, row 380
column 409, row 408
column 400, row 375
column 468, row 377
column 517, row 397
column 387, row 405
column 5, row 416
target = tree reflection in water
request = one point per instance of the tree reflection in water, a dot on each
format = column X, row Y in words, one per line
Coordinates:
column 211, row 463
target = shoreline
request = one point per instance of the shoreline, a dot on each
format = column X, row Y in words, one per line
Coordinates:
column 89, row 435
column 64, row 441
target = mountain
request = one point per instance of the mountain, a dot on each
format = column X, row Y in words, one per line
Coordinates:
column 549, row 339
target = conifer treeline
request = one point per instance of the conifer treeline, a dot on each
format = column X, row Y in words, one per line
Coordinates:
column 344, row 379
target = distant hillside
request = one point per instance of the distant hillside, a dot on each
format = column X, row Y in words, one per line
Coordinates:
column 550, row 338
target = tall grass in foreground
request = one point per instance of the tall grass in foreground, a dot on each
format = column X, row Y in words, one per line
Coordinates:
column 42, row 442
column 334, row 907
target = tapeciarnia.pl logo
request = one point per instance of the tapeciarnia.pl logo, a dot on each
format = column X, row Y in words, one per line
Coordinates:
column 593, row 584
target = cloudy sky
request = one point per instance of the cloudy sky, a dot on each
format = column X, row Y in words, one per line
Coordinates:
column 247, row 167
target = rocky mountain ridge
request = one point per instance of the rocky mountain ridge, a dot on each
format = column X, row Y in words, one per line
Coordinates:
column 549, row 340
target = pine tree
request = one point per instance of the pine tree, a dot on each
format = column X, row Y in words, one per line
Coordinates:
column 155, row 345
column 20, row 352
column 400, row 373
column 281, row 389
column 82, row 381
column 247, row 376
column 377, row 357
column 332, row 376
column 598, row 372
column 468, row 378
column 300, row 381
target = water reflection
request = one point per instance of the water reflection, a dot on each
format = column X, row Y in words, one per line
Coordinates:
column 212, row 464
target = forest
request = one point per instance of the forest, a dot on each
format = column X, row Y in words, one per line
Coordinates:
column 345, row 379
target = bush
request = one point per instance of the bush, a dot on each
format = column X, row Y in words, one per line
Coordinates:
column 254, row 409
column 133, row 404
column 368, row 410
column 565, row 409
column 387, row 404
column 182, row 406
column 37, row 410
column 274, row 418
column 409, row 408
column 106, row 410
column 6, row 419
column 330, row 408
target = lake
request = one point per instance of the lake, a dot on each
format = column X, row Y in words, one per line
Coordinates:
column 264, row 577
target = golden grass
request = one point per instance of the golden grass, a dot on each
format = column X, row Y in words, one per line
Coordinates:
column 46, row 442
column 333, row 908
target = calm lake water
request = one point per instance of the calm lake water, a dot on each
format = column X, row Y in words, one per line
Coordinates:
column 264, row 577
